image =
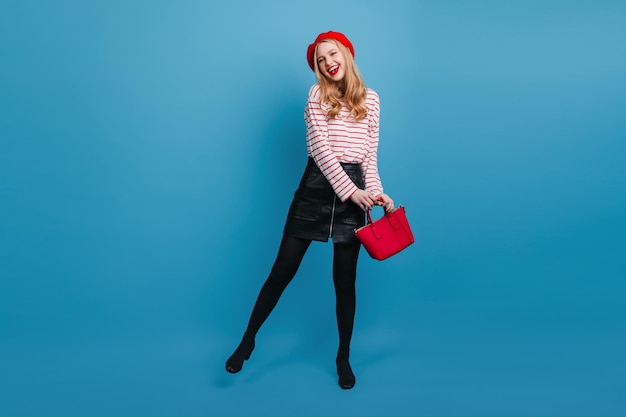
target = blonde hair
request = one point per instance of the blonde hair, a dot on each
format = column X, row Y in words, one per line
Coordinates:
column 352, row 88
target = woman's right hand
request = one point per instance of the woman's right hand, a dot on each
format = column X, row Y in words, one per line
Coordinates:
column 363, row 199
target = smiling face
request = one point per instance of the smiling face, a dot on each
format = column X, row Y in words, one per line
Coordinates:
column 330, row 61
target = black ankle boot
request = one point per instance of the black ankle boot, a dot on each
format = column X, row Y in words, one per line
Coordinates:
column 242, row 353
column 344, row 370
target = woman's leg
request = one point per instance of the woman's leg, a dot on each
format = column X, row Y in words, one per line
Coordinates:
column 344, row 278
column 287, row 262
column 290, row 254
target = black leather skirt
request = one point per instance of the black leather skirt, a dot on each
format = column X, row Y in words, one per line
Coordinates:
column 317, row 213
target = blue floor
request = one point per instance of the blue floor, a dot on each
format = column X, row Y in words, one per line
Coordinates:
column 457, row 364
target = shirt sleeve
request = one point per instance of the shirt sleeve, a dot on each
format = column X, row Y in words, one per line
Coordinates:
column 373, row 184
column 319, row 148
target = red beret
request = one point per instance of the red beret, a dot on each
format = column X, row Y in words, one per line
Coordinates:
column 340, row 37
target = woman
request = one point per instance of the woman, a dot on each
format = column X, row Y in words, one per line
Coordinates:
column 339, row 184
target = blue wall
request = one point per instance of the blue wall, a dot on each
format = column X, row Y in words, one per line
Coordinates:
column 149, row 151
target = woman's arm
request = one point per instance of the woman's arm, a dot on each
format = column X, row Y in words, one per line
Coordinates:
column 370, row 164
column 373, row 183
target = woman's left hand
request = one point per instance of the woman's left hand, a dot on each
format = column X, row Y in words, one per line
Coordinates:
column 385, row 201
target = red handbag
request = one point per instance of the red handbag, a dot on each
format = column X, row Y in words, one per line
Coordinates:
column 386, row 236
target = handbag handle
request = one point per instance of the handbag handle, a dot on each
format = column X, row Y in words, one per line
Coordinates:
column 369, row 217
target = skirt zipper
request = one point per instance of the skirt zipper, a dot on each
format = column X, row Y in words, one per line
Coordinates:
column 332, row 218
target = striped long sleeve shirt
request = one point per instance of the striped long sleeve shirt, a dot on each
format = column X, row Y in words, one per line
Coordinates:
column 332, row 141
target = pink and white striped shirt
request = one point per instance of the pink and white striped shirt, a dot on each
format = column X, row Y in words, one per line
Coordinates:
column 331, row 141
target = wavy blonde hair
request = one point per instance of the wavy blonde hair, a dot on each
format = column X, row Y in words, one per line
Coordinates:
column 352, row 88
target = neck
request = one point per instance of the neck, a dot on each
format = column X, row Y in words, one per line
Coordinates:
column 341, row 86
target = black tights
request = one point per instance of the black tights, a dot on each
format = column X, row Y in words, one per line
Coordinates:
column 289, row 257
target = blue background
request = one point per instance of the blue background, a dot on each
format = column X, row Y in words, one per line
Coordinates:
column 149, row 152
